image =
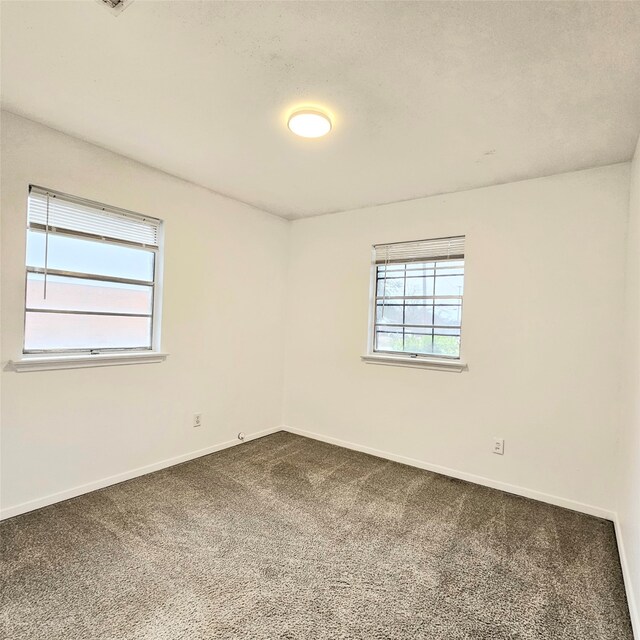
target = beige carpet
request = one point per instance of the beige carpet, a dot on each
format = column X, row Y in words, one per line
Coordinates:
column 286, row 537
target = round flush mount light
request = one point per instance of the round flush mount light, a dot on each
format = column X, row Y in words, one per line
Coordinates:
column 309, row 123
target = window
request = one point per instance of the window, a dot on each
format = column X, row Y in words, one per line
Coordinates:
column 91, row 276
column 417, row 306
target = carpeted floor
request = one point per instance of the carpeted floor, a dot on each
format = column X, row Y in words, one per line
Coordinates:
column 286, row 537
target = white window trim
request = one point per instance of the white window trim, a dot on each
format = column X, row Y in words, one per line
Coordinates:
column 414, row 361
column 80, row 361
column 50, row 360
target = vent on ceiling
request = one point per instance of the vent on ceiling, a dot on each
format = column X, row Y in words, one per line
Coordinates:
column 116, row 6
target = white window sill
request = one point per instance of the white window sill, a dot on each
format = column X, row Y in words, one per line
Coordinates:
column 49, row 362
column 417, row 362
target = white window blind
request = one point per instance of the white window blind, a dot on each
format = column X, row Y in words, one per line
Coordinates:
column 420, row 250
column 91, row 276
column 417, row 306
column 63, row 213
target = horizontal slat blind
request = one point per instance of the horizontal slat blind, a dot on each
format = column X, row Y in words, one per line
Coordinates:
column 420, row 250
column 90, row 218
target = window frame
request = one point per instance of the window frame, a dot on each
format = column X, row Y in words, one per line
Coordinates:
column 77, row 354
column 405, row 358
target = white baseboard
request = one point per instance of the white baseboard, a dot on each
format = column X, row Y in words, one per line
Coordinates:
column 462, row 475
column 10, row 512
column 599, row 512
column 626, row 574
column 25, row 507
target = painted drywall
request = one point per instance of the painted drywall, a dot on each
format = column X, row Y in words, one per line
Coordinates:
column 541, row 336
column 222, row 324
column 427, row 97
column 543, row 280
column 629, row 456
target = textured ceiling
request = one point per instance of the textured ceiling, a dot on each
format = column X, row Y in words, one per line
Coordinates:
column 428, row 97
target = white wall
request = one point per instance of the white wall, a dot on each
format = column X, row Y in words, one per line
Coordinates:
column 222, row 324
column 541, row 335
column 629, row 459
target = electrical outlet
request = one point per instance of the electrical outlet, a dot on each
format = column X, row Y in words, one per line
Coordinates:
column 197, row 419
column 498, row 446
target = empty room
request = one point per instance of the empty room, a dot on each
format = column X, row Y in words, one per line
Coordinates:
column 319, row 320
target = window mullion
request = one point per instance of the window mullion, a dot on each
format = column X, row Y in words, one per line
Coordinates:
column 404, row 307
column 90, row 276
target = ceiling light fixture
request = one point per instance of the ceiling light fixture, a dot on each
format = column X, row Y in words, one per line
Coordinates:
column 115, row 6
column 309, row 123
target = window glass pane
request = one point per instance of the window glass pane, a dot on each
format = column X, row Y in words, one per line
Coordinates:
column 394, row 287
column 447, row 332
column 390, row 269
column 419, row 287
column 446, row 345
column 415, row 314
column 392, row 314
column 447, row 315
column 447, row 271
column 389, row 340
column 70, row 331
column 88, row 256
column 412, row 272
column 447, row 285
column 75, row 294
column 418, row 342
column 419, row 296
